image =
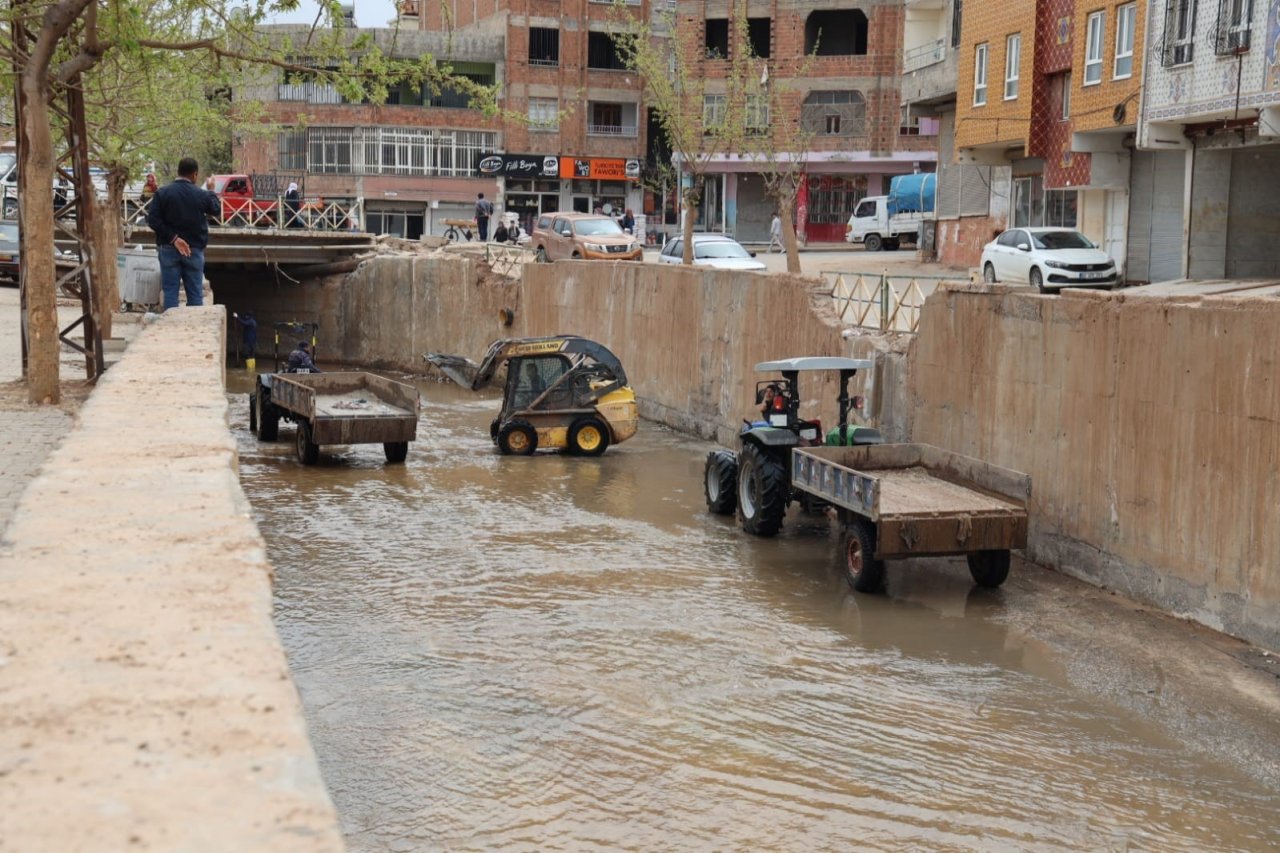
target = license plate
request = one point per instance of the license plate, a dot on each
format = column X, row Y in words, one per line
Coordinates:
column 1095, row 276
column 808, row 434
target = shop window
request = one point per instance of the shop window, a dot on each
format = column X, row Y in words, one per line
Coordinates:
column 544, row 46
column 1060, row 208
column 836, row 32
column 760, row 35
column 715, row 39
column 603, row 53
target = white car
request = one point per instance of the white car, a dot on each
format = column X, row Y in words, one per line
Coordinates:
column 1047, row 259
column 712, row 250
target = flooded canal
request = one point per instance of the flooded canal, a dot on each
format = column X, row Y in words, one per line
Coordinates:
column 564, row 653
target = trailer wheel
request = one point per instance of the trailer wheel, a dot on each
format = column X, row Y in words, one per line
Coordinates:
column 397, row 451
column 267, row 418
column 762, row 491
column 588, row 437
column 253, row 413
column 308, row 450
column 518, row 438
column 989, row 568
column 872, row 242
column 720, row 482
column 861, row 569
column 891, row 244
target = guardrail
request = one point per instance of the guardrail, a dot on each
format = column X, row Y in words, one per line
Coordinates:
column 506, row 259
column 922, row 56
column 880, row 301
column 272, row 213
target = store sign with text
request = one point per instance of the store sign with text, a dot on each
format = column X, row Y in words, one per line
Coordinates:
column 600, row 168
column 518, row 165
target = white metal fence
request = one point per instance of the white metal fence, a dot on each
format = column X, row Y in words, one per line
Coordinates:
column 314, row 214
column 879, row 301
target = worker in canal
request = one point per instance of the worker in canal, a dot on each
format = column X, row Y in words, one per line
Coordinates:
column 248, row 337
column 300, row 360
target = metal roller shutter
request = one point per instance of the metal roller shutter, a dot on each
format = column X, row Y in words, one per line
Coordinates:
column 1155, row 216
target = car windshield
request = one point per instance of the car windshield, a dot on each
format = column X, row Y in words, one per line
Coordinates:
column 1061, row 240
column 720, row 249
column 9, row 232
column 596, row 228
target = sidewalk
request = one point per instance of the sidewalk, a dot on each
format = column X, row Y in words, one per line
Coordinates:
column 29, row 433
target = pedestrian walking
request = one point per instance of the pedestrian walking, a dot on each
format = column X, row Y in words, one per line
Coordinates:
column 775, row 234
column 484, row 209
column 292, row 202
column 177, row 216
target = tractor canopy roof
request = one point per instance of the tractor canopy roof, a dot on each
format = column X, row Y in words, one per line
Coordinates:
column 822, row 362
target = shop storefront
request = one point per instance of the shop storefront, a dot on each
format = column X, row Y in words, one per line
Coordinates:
column 545, row 183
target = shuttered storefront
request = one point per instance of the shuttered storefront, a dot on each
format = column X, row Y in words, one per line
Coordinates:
column 1156, row 249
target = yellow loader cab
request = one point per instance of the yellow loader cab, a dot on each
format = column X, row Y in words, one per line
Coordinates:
column 561, row 393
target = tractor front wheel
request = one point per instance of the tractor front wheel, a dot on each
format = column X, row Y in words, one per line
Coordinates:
column 762, row 491
column 720, row 482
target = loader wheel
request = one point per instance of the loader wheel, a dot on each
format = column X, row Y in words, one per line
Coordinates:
column 518, row 438
column 762, row 491
column 720, row 482
column 872, row 243
column 588, row 437
column 396, row 451
column 493, row 429
column 989, row 568
column 308, row 450
column 861, row 569
column 267, row 417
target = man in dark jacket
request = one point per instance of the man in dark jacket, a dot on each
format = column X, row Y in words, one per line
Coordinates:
column 300, row 360
column 177, row 216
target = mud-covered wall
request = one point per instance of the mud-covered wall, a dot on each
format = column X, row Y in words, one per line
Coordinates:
column 1150, row 428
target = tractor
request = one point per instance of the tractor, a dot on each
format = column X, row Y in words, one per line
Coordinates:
column 756, row 482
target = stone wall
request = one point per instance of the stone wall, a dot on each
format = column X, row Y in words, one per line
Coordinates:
column 1150, row 428
column 145, row 701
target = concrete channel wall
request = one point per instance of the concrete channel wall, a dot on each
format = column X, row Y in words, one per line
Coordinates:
column 1150, row 428
column 145, row 701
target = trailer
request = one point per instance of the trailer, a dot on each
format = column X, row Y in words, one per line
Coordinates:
column 336, row 408
column 909, row 500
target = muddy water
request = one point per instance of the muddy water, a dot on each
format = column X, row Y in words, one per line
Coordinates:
column 560, row 653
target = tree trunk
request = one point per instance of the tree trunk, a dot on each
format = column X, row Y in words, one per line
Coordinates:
column 690, row 197
column 789, row 236
column 35, row 182
column 106, row 289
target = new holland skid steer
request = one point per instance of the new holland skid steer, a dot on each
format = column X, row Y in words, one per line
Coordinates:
column 561, row 392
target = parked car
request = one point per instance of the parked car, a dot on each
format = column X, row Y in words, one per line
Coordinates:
column 1048, row 259
column 9, row 251
column 583, row 236
column 712, row 250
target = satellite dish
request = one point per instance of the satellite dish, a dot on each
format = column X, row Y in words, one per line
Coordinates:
column 1118, row 114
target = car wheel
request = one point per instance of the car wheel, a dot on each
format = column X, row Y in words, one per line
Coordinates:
column 1037, row 281
column 872, row 243
column 989, row 273
column 541, row 255
column 577, row 256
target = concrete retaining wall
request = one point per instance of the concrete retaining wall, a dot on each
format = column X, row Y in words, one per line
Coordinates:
column 145, row 700
column 1150, row 428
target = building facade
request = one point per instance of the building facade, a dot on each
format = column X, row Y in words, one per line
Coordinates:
column 1208, row 164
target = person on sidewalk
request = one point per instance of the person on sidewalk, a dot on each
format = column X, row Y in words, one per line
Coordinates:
column 292, row 204
column 775, row 234
column 484, row 209
column 177, row 216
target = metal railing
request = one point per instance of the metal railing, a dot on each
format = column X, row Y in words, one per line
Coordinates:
column 629, row 131
column 879, row 301
column 922, row 56
column 310, row 214
column 507, row 259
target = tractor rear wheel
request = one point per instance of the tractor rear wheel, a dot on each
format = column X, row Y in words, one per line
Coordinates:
column 989, row 568
column 396, row 451
column 517, row 438
column 308, row 450
column 720, row 482
column 762, row 491
column 588, row 437
column 861, row 569
column 267, row 416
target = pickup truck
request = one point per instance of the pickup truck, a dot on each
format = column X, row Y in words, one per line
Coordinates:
column 882, row 221
column 240, row 206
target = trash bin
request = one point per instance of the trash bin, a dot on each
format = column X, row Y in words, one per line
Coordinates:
column 138, row 271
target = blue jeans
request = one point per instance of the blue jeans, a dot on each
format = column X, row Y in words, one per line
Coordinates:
column 176, row 270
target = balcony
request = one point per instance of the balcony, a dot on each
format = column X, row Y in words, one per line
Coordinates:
column 620, row 131
column 613, row 119
column 922, row 56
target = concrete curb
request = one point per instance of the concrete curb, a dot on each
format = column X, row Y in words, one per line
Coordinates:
column 145, row 699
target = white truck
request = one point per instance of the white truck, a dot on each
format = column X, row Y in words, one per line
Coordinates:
column 883, row 221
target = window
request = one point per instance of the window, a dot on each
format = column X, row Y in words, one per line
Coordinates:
column 957, row 7
column 1234, row 22
column 602, row 53
column 757, row 113
column 293, row 150
column 544, row 46
column 1028, row 202
column 836, row 32
column 716, row 38
column 1126, row 18
column 836, row 113
column 544, row 114
column 1012, row 238
column 1060, row 208
column 712, row 112
column 759, row 32
column 980, row 75
column 1093, row 48
column 1179, row 32
column 1012, row 58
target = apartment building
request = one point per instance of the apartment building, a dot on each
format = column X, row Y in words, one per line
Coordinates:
column 583, row 143
column 1205, row 202
column 845, row 94
column 412, row 161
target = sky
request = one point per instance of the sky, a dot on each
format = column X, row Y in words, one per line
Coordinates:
column 369, row 13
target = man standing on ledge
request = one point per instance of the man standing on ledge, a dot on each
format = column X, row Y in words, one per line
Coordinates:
column 177, row 216
column 484, row 209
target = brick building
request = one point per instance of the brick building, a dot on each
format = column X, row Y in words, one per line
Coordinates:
column 411, row 161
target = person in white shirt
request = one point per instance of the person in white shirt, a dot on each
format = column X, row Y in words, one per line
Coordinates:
column 775, row 233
